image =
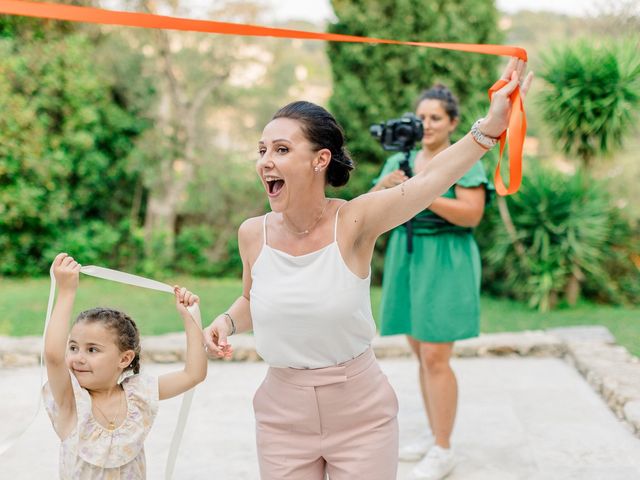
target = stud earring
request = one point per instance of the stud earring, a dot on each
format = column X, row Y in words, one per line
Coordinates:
column 316, row 169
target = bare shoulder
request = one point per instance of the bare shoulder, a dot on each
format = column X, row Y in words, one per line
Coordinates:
column 250, row 238
column 352, row 215
column 251, row 227
column 351, row 223
column 355, row 247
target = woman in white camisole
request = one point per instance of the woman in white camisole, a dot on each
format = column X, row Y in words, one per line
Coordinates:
column 325, row 407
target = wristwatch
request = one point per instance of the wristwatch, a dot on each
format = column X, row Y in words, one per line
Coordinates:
column 481, row 138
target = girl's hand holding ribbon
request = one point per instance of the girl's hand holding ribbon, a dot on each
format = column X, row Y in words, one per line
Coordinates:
column 66, row 272
column 184, row 299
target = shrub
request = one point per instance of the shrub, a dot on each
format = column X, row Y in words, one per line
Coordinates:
column 200, row 251
column 564, row 227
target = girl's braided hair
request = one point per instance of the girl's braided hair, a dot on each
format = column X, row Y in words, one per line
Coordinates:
column 125, row 329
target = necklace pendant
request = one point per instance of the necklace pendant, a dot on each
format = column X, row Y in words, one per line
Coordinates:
column 112, row 426
column 308, row 230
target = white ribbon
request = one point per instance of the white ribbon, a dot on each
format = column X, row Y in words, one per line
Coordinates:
column 128, row 279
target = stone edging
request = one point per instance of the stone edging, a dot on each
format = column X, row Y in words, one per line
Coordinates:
column 612, row 372
column 609, row 368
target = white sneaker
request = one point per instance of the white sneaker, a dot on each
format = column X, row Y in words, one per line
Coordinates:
column 438, row 463
column 414, row 451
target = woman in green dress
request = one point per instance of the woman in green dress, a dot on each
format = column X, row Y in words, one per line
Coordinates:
column 432, row 294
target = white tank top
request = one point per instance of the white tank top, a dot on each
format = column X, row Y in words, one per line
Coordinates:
column 309, row 311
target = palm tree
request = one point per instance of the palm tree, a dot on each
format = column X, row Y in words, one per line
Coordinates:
column 592, row 96
column 590, row 105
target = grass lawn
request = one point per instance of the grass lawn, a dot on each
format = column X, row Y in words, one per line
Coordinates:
column 23, row 304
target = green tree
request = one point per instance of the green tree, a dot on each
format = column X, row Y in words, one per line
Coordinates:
column 65, row 137
column 592, row 97
column 373, row 83
column 215, row 94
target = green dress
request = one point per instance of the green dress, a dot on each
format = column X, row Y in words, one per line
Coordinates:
column 433, row 293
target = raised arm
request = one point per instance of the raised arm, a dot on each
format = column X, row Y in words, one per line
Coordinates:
column 195, row 365
column 377, row 212
column 66, row 272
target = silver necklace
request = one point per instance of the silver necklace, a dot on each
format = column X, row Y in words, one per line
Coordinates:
column 308, row 230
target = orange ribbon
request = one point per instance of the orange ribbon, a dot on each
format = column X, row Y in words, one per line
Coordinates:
column 516, row 131
column 517, row 121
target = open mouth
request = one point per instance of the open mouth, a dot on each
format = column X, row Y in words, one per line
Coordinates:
column 274, row 185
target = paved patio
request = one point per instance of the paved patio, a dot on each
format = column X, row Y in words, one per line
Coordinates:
column 519, row 418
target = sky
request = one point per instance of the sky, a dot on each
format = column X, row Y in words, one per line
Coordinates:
column 570, row 7
column 321, row 9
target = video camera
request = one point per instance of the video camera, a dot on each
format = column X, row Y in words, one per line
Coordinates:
column 399, row 134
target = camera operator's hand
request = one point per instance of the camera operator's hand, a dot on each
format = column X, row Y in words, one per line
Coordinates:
column 393, row 179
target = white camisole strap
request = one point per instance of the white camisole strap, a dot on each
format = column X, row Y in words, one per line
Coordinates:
column 264, row 229
column 335, row 227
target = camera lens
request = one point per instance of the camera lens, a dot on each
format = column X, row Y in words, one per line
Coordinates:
column 376, row 131
column 404, row 132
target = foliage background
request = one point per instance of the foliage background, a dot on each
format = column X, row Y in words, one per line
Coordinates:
column 135, row 149
column 374, row 83
column 67, row 134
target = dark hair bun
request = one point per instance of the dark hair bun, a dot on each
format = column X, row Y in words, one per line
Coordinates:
column 323, row 131
column 339, row 169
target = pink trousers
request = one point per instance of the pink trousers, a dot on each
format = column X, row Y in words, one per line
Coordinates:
column 342, row 420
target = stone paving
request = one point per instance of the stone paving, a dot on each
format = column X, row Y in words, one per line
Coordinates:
column 609, row 368
column 538, row 406
column 519, row 418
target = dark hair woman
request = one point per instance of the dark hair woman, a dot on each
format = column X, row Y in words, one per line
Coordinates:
column 325, row 406
column 432, row 294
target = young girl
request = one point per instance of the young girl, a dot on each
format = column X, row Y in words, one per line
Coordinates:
column 100, row 405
